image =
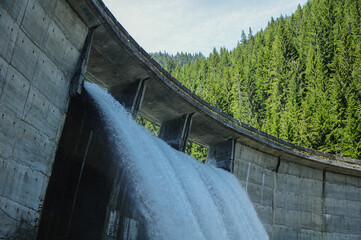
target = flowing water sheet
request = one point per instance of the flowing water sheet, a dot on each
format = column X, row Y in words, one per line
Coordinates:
column 174, row 196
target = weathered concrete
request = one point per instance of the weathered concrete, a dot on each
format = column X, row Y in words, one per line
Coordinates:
column 299, row 202
column 175, row 132
column 222, row 155
column 37, row 58
column 298, row 193
column 77, row 80
column 131, row 97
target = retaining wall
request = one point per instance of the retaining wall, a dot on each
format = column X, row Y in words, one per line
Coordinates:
column 294, row 201
column 40, row 42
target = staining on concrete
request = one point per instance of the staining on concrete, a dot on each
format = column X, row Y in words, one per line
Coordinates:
column 298, row 193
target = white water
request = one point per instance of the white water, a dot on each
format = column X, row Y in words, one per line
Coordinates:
column 177, row 196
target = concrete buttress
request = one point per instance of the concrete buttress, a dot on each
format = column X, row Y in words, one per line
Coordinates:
column 222, row 154
column 175, row 132
column 131, row 97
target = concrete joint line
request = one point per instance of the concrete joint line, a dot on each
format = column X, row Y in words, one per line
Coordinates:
column 323, row 204
column 76, row 83
column 11, row 200
column 28, row 166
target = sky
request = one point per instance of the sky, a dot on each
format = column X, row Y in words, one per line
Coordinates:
column 195, row 26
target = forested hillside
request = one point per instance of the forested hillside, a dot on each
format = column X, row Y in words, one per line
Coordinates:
column 171, row 61
column 299, row 79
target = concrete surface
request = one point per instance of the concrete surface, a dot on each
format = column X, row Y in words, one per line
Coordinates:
column 294, row 201
column 38, row 52
column 175, row 132
column 222, row 155
column 298, row 193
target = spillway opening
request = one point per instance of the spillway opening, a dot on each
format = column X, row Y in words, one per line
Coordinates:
column 112, row 179
column 193, row 149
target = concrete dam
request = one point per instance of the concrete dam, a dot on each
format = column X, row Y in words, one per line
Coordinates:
column 58, row 179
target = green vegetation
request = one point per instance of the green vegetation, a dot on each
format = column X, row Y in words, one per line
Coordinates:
column 180, row 59
column 299, row 79
column 153, row 128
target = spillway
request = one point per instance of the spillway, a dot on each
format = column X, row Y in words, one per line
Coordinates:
column 59, row 179
column 172, row 195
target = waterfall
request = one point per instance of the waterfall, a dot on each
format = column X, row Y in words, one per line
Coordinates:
column 173, row 196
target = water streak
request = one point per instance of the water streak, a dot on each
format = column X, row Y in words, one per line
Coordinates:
column 175, row 196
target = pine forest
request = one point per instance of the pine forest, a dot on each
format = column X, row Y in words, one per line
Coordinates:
column 299, row 79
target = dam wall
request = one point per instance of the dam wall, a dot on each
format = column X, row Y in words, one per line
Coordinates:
column 295, row 201
column 298, row 193
column 40, row 43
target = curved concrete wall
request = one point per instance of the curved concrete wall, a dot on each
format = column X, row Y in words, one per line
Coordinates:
column 295, row 201
column 298, row 193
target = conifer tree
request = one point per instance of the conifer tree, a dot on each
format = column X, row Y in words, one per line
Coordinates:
column 298, row 79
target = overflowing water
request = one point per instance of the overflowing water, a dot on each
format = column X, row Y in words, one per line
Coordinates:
column 175, row 196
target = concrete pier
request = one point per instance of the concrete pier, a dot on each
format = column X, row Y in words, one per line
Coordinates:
column 131, row 97
column 175, row 132
column 222, row 154
column 298, row 193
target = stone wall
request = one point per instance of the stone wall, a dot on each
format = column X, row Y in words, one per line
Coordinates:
column 298, row 202
column 40, row 43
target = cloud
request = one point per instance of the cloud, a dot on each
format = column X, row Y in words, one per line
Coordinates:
column 195, row 26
